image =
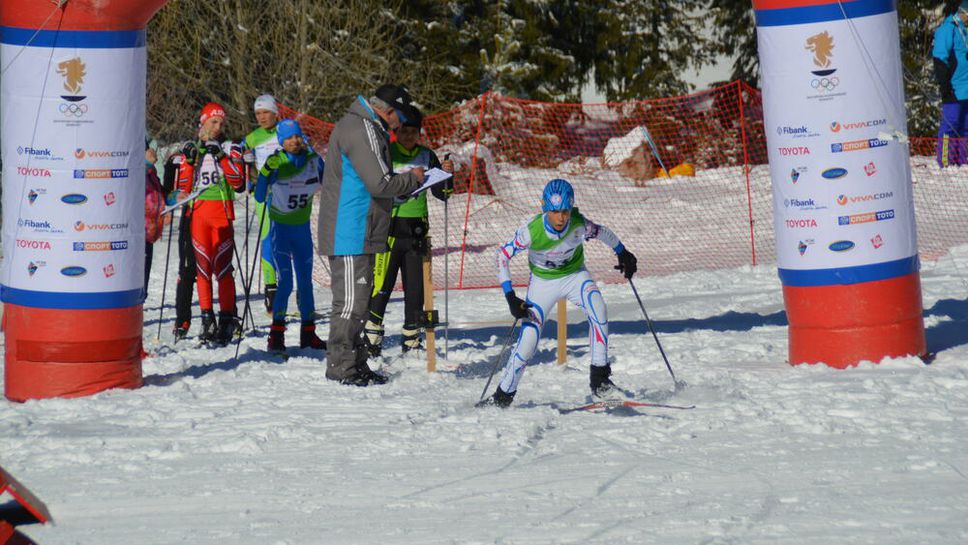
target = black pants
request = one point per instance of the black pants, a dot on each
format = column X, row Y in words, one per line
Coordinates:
column 149, row 251
column 186, row 272
column 405, row 259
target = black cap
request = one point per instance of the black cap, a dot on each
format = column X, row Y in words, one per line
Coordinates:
column 415, row 120
column 398, row 97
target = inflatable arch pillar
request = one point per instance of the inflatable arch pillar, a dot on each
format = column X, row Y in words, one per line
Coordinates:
column 836, row 129
column 73, row 101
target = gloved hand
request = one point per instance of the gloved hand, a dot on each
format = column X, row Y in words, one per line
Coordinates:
column 235, row 152
column 190, row 151
column 626, row 263
column 519, row 308
column 215, row 151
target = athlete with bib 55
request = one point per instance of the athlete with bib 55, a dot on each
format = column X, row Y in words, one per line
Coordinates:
column 290, row 177
column 554, row 242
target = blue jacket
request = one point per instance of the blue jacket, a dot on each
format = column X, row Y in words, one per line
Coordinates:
column 951, row 59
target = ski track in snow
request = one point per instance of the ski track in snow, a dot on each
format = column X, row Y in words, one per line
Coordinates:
column 215, row 450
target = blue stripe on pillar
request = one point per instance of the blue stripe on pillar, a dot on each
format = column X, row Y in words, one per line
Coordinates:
column 822, row 13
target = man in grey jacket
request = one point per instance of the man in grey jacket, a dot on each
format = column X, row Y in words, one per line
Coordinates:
column 354, row 220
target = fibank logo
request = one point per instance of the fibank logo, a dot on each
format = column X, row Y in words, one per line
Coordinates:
column 74, row 198
column 37, row 225
column 834, row 173
column 855, row 145
column 868, row 217
column 82, row 153
column 100, row 174
column 801, row 223
column 795, row 150
column 800, row 203
column 796, row 132
column 73, row 271
column 849, row 126
column 841, row 246
column 106, row 246
column 33, row 244
column 40, row 153
column 35, row 172
column 844, row 199
column 80, row 226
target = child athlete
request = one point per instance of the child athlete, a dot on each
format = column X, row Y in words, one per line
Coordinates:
column 554, row 242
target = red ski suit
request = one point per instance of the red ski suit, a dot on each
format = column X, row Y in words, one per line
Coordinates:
column 213, row 212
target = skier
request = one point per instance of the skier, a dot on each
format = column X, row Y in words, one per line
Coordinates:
column 215, row 167
column 289, row 178
column 554, row 241
column 407, row 241
column 259, row 145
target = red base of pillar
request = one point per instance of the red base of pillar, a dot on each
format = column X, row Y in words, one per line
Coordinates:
column 70, row 353
column 841, row 326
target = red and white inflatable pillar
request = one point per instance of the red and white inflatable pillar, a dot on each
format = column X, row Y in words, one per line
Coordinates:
column 73, row 100
column 843, row 208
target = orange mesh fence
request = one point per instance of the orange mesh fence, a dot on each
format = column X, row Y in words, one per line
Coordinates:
column 683, row 181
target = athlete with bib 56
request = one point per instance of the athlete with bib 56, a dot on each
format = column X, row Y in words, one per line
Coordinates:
column 554, row 242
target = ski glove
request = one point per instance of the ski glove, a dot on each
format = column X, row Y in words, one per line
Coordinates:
column 190, row 151
column 626, row 263
column 215, row 151
column 519, row 308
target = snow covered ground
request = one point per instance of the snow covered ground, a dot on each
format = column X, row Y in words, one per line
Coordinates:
column 215, row 450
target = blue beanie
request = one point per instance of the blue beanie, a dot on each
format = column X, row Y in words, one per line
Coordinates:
column 288, row 128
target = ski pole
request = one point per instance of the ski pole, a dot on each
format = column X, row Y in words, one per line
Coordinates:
column 164, row 284
column 247, row 288
column 446, row 272
column 655, row 151
column 656, row 337
column 500, row 357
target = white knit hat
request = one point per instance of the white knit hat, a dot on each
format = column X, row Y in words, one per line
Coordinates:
column 266, row 102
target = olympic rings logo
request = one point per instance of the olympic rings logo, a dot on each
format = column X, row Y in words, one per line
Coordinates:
column 70, row 109
column 825, row 84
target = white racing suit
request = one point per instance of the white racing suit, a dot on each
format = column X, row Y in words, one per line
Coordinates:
column 557, row 263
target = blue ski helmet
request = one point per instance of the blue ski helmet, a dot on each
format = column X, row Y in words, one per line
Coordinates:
column 558, row 195
column 288, row 128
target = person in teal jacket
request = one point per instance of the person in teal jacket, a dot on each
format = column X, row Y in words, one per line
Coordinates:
column 287, row 183
column 950, row 55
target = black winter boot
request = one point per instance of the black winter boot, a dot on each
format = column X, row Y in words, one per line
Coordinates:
column 277, row 336
column 228, row 326
column 500, row 398
column 181, row 331
column 209, row 326
column 308, row 338
column 601, row 385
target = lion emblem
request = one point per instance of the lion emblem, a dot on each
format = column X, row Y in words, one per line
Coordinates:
column 73, row 72
column 822, row 47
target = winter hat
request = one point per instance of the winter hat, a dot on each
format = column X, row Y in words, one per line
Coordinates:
column 268, row 102
column 288, row 128
column 212, row 109
column 397, row 97
column 416, row 120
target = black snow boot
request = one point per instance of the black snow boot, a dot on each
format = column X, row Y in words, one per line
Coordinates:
column 500, row 398
column 308, row 338
column 277, row 336
column 228, row 326
column 209, row 326
column 181, row 331
column 601, row 385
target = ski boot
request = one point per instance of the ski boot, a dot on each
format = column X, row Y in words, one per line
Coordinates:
column 228, row 327
column 411, row 337
column 373, row 338
column 270, row 294
column 308, row 338
column 209, row 327
column 602, row 386
column 500, row 399
column 277, row 337
column 181, row 331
